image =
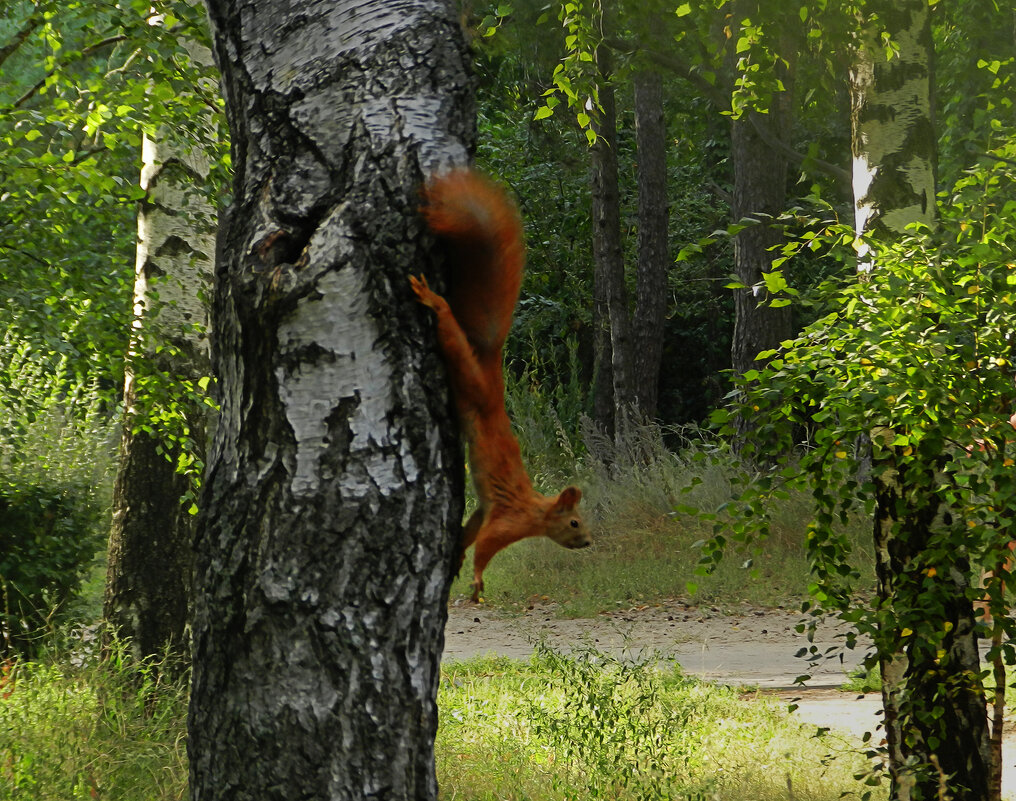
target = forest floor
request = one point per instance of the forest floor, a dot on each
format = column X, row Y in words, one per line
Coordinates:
column 742, row 646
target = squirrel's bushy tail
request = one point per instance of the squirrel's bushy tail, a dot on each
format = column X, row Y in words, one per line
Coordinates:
column 481, row 226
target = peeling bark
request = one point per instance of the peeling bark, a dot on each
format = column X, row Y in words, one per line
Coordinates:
column 893, row 139
column 332, row 506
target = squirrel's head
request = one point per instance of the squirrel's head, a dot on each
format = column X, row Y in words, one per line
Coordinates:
column 564, row 523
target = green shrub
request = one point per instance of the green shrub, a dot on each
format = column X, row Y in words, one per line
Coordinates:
column 56, row 460
column 48, row 537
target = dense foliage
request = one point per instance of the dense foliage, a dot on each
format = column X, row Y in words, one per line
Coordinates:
column 910, row 372
column 82, row 81
column 56, row 445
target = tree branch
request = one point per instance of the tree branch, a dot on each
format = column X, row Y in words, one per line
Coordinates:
column 675, row 64
column 798, row 158
column 20, row 37
column 721, row 100
column 86, row 52
column 25, row 253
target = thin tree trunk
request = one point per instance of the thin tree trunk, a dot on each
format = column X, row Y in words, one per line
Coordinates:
column 651, row 300
column 935, row 718
column 608, row 278
column 148, row 578
column 760, row 192
column 330, row 523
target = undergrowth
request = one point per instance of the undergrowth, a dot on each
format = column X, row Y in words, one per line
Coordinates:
column 588, row 725
column 56, row 466
column 74, row 725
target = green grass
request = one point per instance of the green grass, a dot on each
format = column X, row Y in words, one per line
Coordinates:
column 76, row 726
column 590, row 726
column 581, row 726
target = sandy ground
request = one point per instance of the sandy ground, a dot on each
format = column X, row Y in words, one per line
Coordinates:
column 742, row 646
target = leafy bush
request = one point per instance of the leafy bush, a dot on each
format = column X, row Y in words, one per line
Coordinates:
column 48, row 537
column 56, row 461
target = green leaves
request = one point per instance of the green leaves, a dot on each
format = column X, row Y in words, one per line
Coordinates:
column 76, row 91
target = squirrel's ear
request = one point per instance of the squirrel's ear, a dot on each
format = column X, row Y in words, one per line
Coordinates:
column 569, row 498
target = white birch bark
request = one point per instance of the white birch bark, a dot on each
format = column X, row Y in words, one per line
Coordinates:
column 149, row 563
column 894, row 186
column 331, row 511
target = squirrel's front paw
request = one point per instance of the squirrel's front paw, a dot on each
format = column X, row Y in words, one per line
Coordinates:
column 424, row 293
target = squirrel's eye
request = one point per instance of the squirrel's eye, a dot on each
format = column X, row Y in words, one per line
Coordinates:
column 574, row 523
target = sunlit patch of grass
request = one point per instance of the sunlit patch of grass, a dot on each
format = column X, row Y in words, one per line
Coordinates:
column 588, row 725
column 645, row 551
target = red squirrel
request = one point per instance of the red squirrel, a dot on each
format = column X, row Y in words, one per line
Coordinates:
column 483, row 233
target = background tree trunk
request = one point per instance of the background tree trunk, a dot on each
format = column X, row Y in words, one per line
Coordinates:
column 331, row 511
column 758, row 147
column 760, row 178
column 894, row 152
column 651, row 300
column 609, row 290
column 148, row 578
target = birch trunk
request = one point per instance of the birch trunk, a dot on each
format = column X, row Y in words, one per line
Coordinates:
column 148, row 578
column 935, row 719
column 331, row 511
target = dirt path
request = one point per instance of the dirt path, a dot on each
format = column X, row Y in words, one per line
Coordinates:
column 745, row 646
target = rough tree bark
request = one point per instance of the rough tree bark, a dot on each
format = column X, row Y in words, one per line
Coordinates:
column 760, row 191
column 331, row 509
column 148, row 581
column 893, row 176
column 610, row 314
column 760, row 178
column 651, row 284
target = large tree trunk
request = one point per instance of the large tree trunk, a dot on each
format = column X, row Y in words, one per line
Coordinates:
column 651, row 286
column 331, row 511
column 148, row 580
column 935, row 719
column 608, row 277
